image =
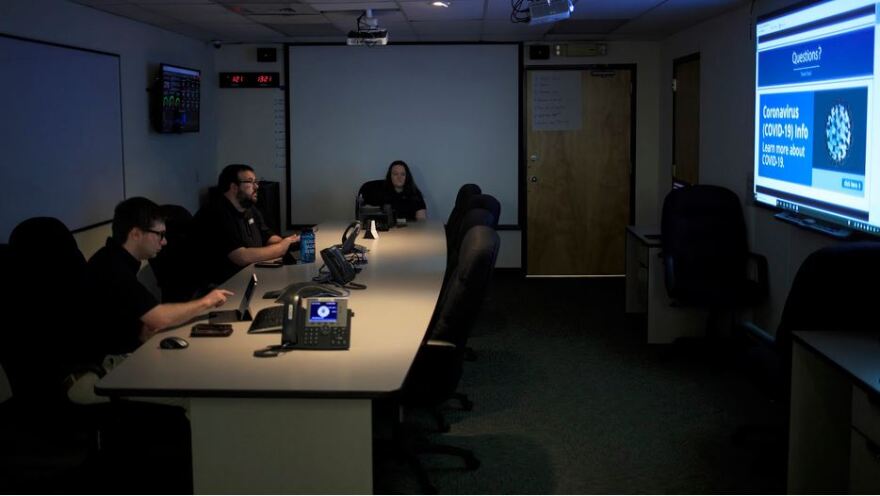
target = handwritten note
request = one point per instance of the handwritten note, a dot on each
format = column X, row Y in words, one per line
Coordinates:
column 556, row 100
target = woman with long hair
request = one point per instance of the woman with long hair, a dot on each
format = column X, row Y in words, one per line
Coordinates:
column 403, row 194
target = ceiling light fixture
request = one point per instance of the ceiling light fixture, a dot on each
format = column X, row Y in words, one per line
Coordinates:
column 441, row 3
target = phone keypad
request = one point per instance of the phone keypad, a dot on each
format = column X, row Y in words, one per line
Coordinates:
column 326, row 337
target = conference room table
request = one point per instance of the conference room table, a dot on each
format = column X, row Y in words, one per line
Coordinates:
column 299, row 422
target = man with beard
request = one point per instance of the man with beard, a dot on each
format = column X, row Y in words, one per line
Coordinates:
column 232, row 229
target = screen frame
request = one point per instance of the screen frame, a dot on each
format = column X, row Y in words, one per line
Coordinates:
column 159, row 94
column 806, row 215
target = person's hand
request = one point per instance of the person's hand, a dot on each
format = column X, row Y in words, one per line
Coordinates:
column 293, row 238
column 216, row 297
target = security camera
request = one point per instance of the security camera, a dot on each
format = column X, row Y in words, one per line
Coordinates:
column 217, row 43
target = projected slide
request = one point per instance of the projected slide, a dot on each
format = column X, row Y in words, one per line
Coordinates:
column 814, row 113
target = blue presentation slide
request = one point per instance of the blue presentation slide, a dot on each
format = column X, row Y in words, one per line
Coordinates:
column 806, row 132
column 845, row 55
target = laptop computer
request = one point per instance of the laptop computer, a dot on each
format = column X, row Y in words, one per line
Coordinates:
column 243, row 312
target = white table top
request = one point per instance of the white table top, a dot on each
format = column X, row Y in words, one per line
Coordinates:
column 403, row 277
column 855, row 353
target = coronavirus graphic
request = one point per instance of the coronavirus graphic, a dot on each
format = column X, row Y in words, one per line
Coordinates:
column 838, row 129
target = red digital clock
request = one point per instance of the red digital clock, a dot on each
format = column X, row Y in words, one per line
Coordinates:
column 249, row 80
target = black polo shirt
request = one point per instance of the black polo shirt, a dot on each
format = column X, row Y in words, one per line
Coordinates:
column 117, row 300
column 222, row 229
column 404, row 205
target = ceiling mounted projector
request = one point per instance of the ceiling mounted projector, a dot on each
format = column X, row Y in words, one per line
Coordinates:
column 368, row 32
column 544, row 11
column 367, row 37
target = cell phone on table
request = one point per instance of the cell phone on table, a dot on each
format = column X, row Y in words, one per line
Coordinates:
column 270, row 264
column 206, row 330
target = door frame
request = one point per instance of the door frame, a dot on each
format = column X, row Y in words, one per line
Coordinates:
column 523, row 140
column 675, row 63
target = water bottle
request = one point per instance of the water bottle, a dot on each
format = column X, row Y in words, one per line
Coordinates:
column 307, row 246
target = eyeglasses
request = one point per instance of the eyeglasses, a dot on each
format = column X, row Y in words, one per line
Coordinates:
column 249, row 181
column 161, row 234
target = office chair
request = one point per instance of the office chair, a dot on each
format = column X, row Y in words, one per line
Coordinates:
column 705, row 251
column 175, row 263
column 373, row 192
column 48, row 278
column 458, row 210
column 48, row 444
column 489, row 203
column 471, row 218
column 437, row 368
column 827, row 294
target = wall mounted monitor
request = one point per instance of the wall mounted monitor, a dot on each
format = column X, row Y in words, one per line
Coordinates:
column 176, row 99
column 816, row 115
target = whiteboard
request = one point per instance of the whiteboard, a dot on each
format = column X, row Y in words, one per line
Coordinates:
column 451, row 112
column 60, row 135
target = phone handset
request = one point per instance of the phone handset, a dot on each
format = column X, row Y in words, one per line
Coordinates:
column 350, row 236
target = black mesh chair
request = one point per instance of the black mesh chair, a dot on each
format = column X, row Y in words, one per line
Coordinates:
column 489, row 203
column 47, row 281
column 458, row 210
column 175, row 267
column 373, row 192
column 47, row 444
column 705, row 251
column 827, row 288
column 437, row 368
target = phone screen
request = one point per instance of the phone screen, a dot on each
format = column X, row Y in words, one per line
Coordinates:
column 322, row 311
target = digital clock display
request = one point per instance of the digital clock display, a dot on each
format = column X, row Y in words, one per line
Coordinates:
column 249, row 80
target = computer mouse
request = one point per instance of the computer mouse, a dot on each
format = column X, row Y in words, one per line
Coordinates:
column 173, row 343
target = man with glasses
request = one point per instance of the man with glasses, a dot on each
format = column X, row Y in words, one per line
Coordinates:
column 232, row 228
column 126, row 313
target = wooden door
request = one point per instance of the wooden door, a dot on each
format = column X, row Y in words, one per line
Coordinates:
column 578, row 164
column 686, row 120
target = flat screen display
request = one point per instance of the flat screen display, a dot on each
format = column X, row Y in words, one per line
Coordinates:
column 321, row 312
column 177, row 101
column 815, row 110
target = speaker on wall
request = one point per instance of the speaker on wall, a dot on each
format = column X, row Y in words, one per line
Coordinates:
column 269, row 54
column 269, row 204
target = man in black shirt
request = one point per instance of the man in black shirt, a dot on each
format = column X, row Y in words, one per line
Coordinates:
column 126, row 313
column 232, row 229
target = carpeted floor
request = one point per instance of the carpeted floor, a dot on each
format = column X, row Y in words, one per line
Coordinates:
column 570, row 399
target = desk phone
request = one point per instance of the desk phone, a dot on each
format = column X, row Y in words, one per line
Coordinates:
column 318, row 324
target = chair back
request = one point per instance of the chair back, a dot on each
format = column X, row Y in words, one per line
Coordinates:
column 705, row 250
column 489, row 203
column 175, row 265
column 458, row 210
column 828, row 292
column 373, row 192
column 41, row 342
column 466, row 287
column 471, row 218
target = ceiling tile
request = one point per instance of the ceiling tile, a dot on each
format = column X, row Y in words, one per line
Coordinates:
column 446, row 30
column 616, row 9
column 457, row 10
column 295, row 19
column 192, row 31
column 235, row 31
column 138, row 14
column 353, row 6
column 190, row 12
column 309, row 30
column 169, row 2
column 272, row 9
